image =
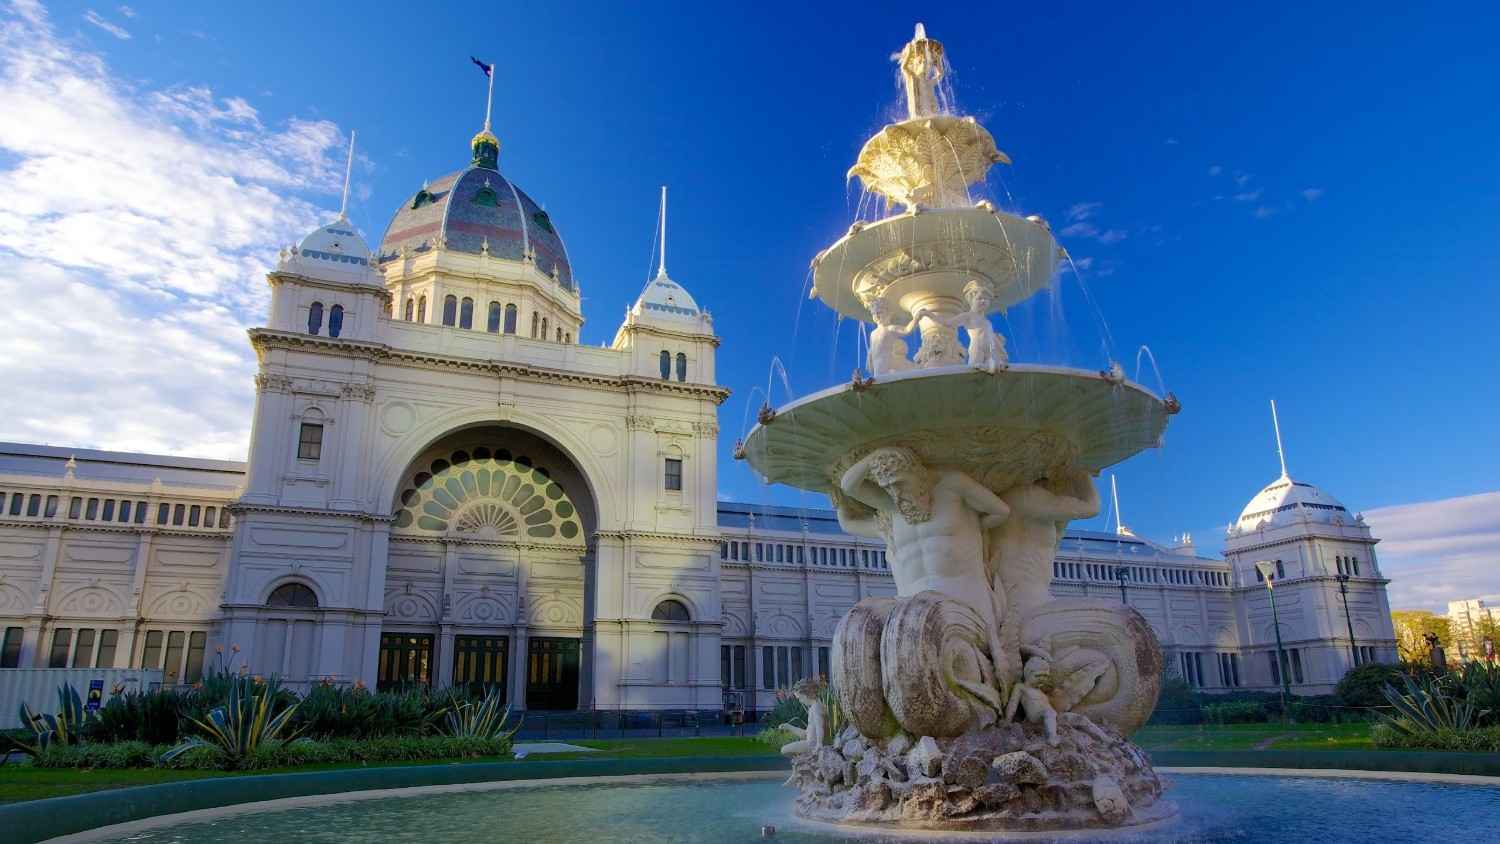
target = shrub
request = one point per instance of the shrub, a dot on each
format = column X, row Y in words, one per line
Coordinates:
column 1362, row 686
column 150, row 717
column 120, row 754
column 1427, row 707
column 788, row 710
column 1480, row 685
column 62, row 728
column 136, row 754
column 1178, row 703
column 246, row 722
column 1234, row 712
column 1483, row 740
column 482, row 719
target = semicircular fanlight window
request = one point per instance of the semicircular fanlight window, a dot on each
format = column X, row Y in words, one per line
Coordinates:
column 479, row 491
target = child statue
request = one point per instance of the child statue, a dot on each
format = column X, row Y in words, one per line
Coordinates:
column 986, row 347
column 1031, row 694
column 888, row 350
column 815, row 734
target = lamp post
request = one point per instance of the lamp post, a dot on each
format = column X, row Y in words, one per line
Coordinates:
column 1122, row 574
column 1267, row 571
column 1344, row 591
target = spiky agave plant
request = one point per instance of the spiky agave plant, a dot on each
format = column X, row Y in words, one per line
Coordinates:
column 1426, row 707
column 829, row 697
column 242, row 725
column 482, row 719
column 63, row 728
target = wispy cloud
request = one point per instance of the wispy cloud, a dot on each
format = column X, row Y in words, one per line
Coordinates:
column 140, row 261
column 1171, row 142
column 1215, row 170
column 1439, row 551
column 127, row 11
column 1093, row 232
column 1248, row 196
column 1264, row 211
column 114, row 29
column 1083, row 210
column 1312, row 194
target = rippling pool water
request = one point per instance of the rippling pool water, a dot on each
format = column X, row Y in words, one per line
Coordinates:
column 1214, row 808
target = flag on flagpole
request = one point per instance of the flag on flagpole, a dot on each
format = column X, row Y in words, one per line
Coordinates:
column 487, row 68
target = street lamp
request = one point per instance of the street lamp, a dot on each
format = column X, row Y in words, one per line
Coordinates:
column 1122, row 574
column 1267, row 571
column 1343, row 580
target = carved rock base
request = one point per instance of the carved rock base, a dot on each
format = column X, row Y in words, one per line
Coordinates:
column 1005, row 777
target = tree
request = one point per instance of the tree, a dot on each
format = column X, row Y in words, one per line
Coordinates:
column 1412, row 627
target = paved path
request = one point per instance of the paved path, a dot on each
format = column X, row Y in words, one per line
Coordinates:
column 525, row 748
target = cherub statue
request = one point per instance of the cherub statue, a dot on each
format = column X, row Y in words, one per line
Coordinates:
column 815, row 734
column 888, row 350
column 1031, row 694
column 986, row 347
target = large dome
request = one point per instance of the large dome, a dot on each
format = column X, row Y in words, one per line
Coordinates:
column 474, row 208
column 1286, row 501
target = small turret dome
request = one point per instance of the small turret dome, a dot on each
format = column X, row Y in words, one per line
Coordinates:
column 334, row 252
column 1285, row 501
column 665, row 296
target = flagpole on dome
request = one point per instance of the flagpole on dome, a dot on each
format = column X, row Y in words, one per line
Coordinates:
column 348, row 174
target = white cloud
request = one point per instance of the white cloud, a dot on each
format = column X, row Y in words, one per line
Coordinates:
column 1311, row 194
column 138, row 227
column 1241, row 179
column 1171, row 142
column 127, row 11
column 1093, row 232
column 1215, row 170
column 1083, row 210
column 1083, row 263
column 1264, row 211
column 1439, row 551
column 112, row 28
column 1248, row 196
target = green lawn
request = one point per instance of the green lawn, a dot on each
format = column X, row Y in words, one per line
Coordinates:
column 1256, row 737
column 23, row 782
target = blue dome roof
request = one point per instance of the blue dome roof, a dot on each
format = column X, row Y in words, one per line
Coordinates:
column 473, row 207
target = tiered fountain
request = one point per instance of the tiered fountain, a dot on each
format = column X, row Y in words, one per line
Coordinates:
column 973, row 699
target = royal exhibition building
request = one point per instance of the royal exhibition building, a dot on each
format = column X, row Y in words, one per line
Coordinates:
column 444, row 487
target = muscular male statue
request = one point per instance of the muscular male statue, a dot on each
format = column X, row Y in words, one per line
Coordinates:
column 1026, row 543
column 933, row 522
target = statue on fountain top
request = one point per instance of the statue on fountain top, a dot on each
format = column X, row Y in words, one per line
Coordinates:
column 986, row 347
column 921, row 62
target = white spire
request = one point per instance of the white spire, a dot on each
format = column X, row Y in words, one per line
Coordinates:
column 661, row 269
column 348, row 172
column 1114, row 494
column 1280, row 454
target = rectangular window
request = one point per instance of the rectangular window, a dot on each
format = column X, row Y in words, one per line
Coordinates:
column 34, row 506
column 172, row 667
column 75, row 507
column 83, row 652
column 405, row 659
column 151, row 653
column 140, row 512
column 109, row 510
column 796, row 654
column 10, row 649
column 310, row 442
column 739, row 668
column 674, row 474
column 125, row 511
column 61, row 639
column 767, row 666
column 16, row 500
column 479, row 662
column 724, row 662
column 177, row 513
column 194, row 513
column 224, row 518
column 1297, row 665
column 163, row 512
column 92, row 512
column 196, row 644
column 783, row 667
column 108, row 640
column 51, row 506
column 825, row 666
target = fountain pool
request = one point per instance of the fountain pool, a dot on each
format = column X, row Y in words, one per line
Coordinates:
column 703, row 808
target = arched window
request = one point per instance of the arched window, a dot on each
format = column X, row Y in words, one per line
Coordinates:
column 559, row 335
column 466, row 313
column 510, row 319
column 670, row 610
column 681, row 366
column 666, row 365
column 543, row 335
column 315, row 318
column 568, row 338
column 335, row 320
column 422, row 309
column 534, row 318
column 493, row 324
column 450, row 309
column 293, row 595
column 411, row 305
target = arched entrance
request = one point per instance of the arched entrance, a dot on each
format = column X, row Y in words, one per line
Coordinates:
column 488, row 569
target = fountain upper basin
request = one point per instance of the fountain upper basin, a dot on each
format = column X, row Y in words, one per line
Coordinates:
column 911, row 260
column 1004, row 428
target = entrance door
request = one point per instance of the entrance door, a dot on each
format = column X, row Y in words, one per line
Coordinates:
column 552, row 674
column 479, row 663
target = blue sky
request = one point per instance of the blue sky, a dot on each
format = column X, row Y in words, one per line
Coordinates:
column 1280, row 202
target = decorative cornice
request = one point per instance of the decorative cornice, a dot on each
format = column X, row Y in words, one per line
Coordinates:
column 266, row 338
column 655, row 536
column 276, row 277
column 239, row 507
column 108, row 527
